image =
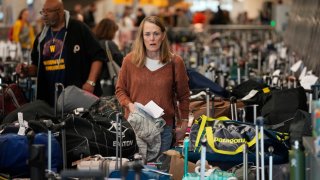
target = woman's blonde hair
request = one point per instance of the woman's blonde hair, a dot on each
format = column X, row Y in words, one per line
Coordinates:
column 139, row 49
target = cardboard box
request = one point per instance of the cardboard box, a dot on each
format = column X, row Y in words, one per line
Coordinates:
column 177, row 163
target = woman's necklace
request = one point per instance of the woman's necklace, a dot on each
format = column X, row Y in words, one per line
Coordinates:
column 53, row 44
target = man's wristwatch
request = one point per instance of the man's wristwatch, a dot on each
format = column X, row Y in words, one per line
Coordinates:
column 91, row 83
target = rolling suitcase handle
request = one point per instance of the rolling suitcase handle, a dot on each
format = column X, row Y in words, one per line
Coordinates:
column 314, row 94
column 233, row 107
column 119, row 140
column 208, row 101
column 238, row 75
column 270, row 149
column 63, row 131
column 310, row 101
column 245, row 161
column 245, row 150
column 186, row 149
column 203, row 158
column 259, row 123
column 2, row 86
column 257, row 140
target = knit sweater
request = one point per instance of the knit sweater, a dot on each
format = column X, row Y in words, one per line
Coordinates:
column 139, row 84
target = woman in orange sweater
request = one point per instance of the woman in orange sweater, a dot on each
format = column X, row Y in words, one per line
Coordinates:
column 152, row 72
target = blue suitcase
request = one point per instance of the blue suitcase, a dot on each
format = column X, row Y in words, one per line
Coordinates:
column 14, row 153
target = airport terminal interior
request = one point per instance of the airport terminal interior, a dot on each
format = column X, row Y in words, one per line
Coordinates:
column 89, row 90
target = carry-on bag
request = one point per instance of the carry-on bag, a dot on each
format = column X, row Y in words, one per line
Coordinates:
column 87, row 136
column 198, row 81
column 217, row 106
column 11, row 98
column 226, row 137
column 281, row 106
column 89, row 132
column 14, row 153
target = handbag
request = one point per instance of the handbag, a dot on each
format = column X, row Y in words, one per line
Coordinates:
column 113, row 67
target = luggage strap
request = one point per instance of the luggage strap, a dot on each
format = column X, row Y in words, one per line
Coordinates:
column 14, row 99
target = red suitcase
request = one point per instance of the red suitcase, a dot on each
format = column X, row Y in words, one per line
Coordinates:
column 11, row 98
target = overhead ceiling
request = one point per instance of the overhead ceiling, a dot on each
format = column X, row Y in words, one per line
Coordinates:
column 70, row 3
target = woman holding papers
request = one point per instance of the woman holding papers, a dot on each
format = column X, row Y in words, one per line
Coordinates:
column 151, row 73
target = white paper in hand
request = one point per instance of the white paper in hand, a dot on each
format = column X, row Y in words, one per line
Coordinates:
column 156, row 110
column 151, row 108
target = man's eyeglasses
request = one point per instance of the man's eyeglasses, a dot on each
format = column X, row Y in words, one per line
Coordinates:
column 46, row 11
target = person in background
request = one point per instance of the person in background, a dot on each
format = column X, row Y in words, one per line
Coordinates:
column 66, row 52
column 221, row 17
column 105, row 31
column 166, row 16
column 76, row 16
column 78, row 8
column 77, row 12
column 89, row 17
column 199, row 17
column 110, row 15
column 152, row 72
column 22, row 31
column 140, row 16
column 181, row 18
column 126, row 26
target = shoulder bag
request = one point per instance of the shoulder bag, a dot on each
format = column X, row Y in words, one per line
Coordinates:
column 113, row 67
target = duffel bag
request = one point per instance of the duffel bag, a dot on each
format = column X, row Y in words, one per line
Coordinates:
column 281, row 107
column 221, row 107
column 91, row 135
column 229, row 137
column 14, row 153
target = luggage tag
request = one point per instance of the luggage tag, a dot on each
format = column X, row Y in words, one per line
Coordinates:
column 251, row 94
column 23, row 125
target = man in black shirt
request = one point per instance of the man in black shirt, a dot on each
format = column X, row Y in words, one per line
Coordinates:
column 64, row 52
